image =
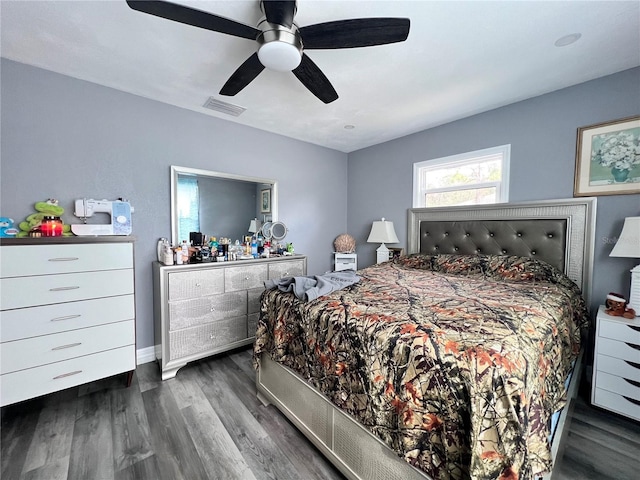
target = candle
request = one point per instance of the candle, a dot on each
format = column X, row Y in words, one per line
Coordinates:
column 51, row 227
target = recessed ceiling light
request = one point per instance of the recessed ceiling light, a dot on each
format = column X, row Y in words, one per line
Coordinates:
column 349, row 127
column 568, row 39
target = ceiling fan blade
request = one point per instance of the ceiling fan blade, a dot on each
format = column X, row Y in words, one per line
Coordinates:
column 197, row 18
column 312, row 77
column 243, row 76
column 279, row 12
column 357, row 32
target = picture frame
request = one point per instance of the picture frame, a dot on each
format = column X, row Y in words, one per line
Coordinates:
column 608, row 158
column 265, row 201
column 395, row 253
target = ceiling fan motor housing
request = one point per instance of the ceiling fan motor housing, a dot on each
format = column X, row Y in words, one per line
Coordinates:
column 280, row 47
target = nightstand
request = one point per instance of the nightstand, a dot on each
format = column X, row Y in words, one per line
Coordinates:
column 616, row 365
column 345, row 261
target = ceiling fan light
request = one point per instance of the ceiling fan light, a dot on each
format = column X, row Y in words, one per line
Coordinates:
column 279, row 56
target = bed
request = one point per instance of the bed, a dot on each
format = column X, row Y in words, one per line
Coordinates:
column 456, row 361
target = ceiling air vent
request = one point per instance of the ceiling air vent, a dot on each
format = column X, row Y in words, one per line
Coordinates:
column 224, row 107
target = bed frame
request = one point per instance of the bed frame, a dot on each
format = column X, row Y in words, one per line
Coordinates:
column 560, row 232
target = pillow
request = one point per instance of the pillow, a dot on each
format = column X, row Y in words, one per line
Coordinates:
column 512, row 267
column 457, row 263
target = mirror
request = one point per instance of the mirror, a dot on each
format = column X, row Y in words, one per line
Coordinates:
column 219, row 204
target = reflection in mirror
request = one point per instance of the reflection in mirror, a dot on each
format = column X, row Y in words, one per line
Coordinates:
column 218, row 204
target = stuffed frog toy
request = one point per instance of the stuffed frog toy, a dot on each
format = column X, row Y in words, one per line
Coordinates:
column 48, row 208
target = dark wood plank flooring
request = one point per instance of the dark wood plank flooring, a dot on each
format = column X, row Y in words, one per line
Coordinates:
column 208, row 424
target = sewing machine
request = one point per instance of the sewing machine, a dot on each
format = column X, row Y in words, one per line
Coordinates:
column 119, row 211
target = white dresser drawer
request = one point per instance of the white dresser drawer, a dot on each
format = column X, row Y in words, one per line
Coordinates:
column 20, row 292
column 616, row 403
column 287, row 268
column 25, row 260
column 619, row 330
column 198, row 311
column 616, row 366
column 245, row 277
column 195, row 283
column 619, row 385
column 61, row 317
column 614, row 348
column 18, row 386
column 36, row 351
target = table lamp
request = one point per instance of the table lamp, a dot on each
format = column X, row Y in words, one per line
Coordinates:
column 383, row 232
column 628, row 245
column 253, row 226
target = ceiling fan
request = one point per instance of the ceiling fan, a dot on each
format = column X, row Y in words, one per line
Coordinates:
column 281, row 43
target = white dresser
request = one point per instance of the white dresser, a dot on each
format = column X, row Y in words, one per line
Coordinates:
column 208, row 308
column 616, row 366
column 67, row 313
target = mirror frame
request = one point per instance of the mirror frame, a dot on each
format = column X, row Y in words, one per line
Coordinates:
column 176, row 170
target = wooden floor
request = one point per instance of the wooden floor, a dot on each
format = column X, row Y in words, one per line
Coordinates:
column 208, row 424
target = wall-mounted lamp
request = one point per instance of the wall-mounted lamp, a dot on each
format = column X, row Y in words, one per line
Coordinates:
column 382, row 232
column 628, row 245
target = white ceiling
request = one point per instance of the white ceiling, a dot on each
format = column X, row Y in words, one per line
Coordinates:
column 461, row 58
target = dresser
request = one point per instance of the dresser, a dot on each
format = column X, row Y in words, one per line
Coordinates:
column 208, row 308
column 616, row 366
column 67, row 313
column 345, row 261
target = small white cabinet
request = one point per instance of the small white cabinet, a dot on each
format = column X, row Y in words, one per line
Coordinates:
column 208, row 308
column 67, row 313
column 345, row 261
column 616, row 367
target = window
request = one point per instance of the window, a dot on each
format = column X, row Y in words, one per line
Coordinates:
column 472, row 178
column 188, row 207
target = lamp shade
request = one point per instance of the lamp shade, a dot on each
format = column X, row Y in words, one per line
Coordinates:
column 382, row 232
column 628, row 244
column 253, row 226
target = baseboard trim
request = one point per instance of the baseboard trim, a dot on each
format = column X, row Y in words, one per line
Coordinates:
column 146, row 355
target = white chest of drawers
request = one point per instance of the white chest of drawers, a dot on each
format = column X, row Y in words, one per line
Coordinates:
column 208, row 308
column 67, row 314
column 616, row 366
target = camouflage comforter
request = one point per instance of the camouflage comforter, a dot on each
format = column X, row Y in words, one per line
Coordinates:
column 456, row 362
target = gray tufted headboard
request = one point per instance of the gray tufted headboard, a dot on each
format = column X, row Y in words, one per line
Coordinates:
column 559, row 232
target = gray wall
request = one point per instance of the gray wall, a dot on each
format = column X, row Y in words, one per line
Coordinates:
column 66, row 138
column 542, row 133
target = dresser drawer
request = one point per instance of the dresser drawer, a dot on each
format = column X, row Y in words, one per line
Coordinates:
column 616, row 403
column 613, row 383
column 245, row 277
column 198, row 311
column 25, row 260
column 36, row 351
column 47, row 289
column 253, row 300
column 288, row 268
column 18, row 386
column 195, row 283
column 614, row 348
column 618, row 330
column 34, row 321
column 204, row 338
column 252, row 324
column 616, row 366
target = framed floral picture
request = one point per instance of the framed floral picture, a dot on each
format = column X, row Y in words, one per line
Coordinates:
column 265, row 201
column 608, row 158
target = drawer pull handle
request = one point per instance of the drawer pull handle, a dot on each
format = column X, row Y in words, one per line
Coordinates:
column 67, row 374
column 64, row 259
column 632, row 382
column 633, row 364
column 198, row 284
column 632, row 400
column 633, row 327
column 68, row 317
column 213, row 309
column 635, row 347
column 246, row 278
column 62, row 347
column 60, row 289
